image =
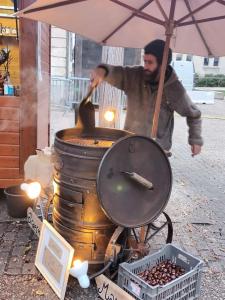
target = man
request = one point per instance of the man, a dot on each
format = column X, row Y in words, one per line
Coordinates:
column 140, row 84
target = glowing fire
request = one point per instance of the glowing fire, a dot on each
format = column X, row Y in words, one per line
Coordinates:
column 32, row 189
column 109, row 115
column 54, row 187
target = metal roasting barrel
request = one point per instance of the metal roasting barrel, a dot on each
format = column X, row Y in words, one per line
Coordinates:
column 104, row 178
column 77, row 214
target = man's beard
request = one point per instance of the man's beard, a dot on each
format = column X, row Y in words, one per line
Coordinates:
column 151, row 77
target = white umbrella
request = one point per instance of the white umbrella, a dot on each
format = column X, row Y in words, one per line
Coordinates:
column 190, row 26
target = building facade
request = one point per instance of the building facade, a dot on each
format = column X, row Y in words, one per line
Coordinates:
column 203, row 65
column 74, row 56
column 62, row 44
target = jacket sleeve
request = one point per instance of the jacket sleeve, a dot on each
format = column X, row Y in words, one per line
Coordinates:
column 180, row 102
column 118, row 76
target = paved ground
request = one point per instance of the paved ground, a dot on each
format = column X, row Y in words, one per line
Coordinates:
column 197, row 207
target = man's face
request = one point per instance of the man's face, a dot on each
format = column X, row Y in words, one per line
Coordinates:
column 150, row 63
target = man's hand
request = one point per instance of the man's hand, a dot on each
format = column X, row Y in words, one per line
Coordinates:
column 97, row 76
column 195, row 149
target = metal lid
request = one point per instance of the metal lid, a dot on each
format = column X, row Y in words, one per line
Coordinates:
column 134, row 181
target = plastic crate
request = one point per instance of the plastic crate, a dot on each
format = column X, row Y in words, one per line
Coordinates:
column 185, row 287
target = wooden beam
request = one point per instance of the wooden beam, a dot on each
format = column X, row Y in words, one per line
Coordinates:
column 28, row 79
column 198, row 28
column 201, row 7
column 127, row 20
column 43, row 85
column 35, row 85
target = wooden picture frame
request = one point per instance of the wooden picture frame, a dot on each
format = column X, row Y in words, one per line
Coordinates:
column 54, row 258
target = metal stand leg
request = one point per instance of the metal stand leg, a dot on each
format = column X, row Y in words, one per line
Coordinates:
column 42, row 209
column 116, row 249
column 37, row 202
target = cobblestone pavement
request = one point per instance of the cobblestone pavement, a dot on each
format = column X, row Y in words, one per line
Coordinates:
column 196, row 206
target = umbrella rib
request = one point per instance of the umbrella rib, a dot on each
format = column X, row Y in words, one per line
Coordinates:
column 134, row 14
column 187, row 3
column 127, row 20
column 195, row 11
column 201, row 21
column 50, row 6
column 221, row 2
column 162, row 10
column 139, row 13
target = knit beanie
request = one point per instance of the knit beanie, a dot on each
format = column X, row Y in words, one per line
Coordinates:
column 156, row 48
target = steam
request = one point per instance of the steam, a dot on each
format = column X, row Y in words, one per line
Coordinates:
column 31, row 112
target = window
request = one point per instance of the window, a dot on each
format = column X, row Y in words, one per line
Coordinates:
column 189, row 57
column 179, row 56
column 206, row 61
column 216, row 62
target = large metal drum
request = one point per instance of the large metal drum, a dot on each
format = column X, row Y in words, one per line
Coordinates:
column 77, row 214
column 99, row 185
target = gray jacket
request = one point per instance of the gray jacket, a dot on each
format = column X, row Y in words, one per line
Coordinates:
column 141, row 102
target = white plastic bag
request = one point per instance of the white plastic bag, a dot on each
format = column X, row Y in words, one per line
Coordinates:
column 39, row 167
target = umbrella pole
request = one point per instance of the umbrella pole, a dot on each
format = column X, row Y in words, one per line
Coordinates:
column 157, row 107
column 169, row 33
column 160, row 89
